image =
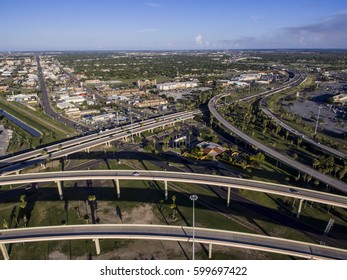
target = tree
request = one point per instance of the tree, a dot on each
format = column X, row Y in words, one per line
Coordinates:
column 5, row 224
column 309, row 178
column 298, row 141
column 343, row 172
column 316, row 183
column 316, row 163
column 337, row 168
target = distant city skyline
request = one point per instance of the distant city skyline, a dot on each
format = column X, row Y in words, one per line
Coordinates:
column 171, row 25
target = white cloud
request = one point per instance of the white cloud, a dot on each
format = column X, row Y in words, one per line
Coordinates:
column 198, row 40
column 329, row 32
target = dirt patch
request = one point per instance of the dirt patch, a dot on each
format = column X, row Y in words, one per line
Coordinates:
column 56, row 255
column 136, row 249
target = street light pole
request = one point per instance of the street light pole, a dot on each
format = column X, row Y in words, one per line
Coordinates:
column 193, row 197
column 131, row 121
column 315, row 130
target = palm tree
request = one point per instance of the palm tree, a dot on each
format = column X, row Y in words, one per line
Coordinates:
column 337, row 168
column 316, row 163
column 316, row 183
column 343, row 172
column 299, row 141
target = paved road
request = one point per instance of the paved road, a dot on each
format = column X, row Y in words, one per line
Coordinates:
column 195, row 178
column 21, row 161
column 339, row 185
column 45, row 101
column 174, row 233
column 303, row 136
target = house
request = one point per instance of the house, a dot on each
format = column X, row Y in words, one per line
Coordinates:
column 211, row 149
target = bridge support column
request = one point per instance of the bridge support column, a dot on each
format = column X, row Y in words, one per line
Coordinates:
column 4, row 251
column 86, row 150
column 116, row 181
column 166, row 190
column 97, row 246
column 17, row 172
column 299, row 210
column 228, row 197
column 210, row 251
column 60, row 190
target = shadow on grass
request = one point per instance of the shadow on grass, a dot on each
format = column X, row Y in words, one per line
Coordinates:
column 247, row 209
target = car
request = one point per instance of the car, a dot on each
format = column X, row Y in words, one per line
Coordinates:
column 136, row 174
column 294, row 190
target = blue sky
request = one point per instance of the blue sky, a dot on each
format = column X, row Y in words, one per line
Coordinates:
column 175, row 24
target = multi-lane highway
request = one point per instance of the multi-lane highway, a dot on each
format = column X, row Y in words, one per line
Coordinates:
column 339, row 185
column 45, row 100
column 303, row 136
column 195, row 178
column 170, row 233
column 54, row 151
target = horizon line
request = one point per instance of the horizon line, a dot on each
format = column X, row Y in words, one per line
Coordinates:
column 168, row 50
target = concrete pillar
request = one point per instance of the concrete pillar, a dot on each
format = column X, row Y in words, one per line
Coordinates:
column 17, row 172
column 86, row 150
column 60, row 190
column 117, row 187
column 166, row 190
column 97, row 246
column 210, row 251
column 228, row 197
column 4, row 251
column 299, row 210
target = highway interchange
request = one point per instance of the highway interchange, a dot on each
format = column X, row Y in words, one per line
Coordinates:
column 300, row 135
column 170, row 233
column 328, row 180
column 195, row 178
column 21, row 161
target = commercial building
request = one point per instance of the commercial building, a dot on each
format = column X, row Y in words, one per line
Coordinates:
column 74, row 113
column 72, row 99
column 124, row 92
column 150, row 103
column 178, row 85
column 102, row 118
column 249, row 77
column 21, row 97
column 144, row 83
